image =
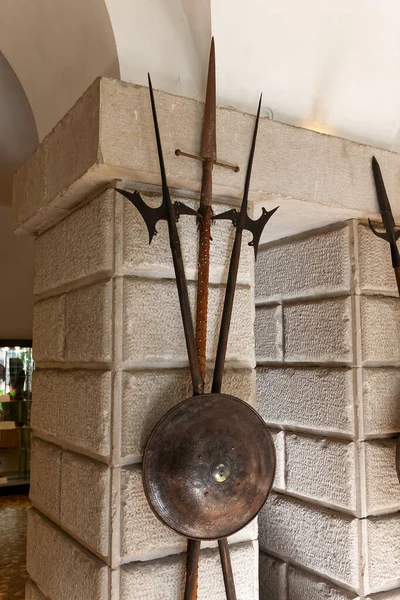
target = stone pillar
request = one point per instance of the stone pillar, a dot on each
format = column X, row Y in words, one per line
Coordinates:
column 328, row 381
column 110, row 361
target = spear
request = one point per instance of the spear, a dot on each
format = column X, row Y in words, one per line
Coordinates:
column 242, row 222
column 391, row 235
column 208, row 156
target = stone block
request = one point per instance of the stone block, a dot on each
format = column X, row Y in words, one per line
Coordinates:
column 321, row 469
column 32, row 592
column 74, row 407
column 279, row 442
column 382, row 484
column 141, row 257
column 164, row 579
column 143, row 536
column 311, row 398
column 103, row 138
column 380, row 387
column 319, row 331
column 45, row 477
column 393, row 595
column 61, row 567
column 316, row 263
column 375, row 271
column 153, row 326
column 273, row 573
column 78, row 247
column 49, row 330
column 72, row 147
column 268, row 333
column 29, row 188
column 303, row 585
column 89, row 323
column 380, row 329
column 285, row 527
column 85, row 500
column 148, row 395
column 382, row 553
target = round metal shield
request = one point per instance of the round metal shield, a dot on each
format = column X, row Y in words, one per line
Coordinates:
column 208, row 466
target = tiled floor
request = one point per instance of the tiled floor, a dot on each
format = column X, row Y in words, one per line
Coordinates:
column 13, row 513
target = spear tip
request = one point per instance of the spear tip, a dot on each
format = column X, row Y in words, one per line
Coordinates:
column 208, row 136
column 259, row 106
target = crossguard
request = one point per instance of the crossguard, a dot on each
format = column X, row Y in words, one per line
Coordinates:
column 151, row 216
column 255, row 227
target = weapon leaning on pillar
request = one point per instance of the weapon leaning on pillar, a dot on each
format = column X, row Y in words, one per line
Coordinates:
column 197, row 447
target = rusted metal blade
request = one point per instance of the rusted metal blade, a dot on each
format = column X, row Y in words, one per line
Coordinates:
column 209, row 153
column 209, row 136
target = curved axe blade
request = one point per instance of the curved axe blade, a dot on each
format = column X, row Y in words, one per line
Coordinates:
column 255, row 226
column 150, row 215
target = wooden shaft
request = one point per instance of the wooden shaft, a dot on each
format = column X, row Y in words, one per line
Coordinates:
column 192, row 567
column 227, row 569
column 203, row 265
column 227, row 313
column 181, row 284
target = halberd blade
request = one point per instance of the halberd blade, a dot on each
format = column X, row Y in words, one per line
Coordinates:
column 150, row 215
column 241, row 219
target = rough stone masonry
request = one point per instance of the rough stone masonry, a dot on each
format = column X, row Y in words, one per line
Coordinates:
column 328, row 383
column 111, row 360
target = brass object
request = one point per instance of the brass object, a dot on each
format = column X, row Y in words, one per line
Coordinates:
column 208, row 466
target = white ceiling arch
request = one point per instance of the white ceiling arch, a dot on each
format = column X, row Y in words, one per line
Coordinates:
column 57, row 48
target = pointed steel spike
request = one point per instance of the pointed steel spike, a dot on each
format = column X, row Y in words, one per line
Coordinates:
column 391, row 234
column 158, row 138
column 243, row 209
column 208, row 135
column 383, row 200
